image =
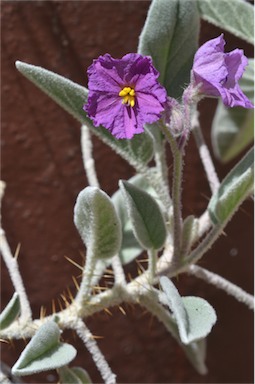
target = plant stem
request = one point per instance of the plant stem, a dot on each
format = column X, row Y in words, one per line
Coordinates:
column 13, row 268
column 88, row 161
column 221, row 283
column 119, row 274
column 152, row 253
column 86, row 336
column 176, row 190
column 88, row 273
column 204, row 153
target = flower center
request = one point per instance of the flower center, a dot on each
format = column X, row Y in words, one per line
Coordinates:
column 128, row 96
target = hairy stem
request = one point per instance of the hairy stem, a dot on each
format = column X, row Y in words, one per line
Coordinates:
column 221, row 283
column 204, row 154
column 86, row 336
column 88, row 161
column 13, row 268
column 176, row 190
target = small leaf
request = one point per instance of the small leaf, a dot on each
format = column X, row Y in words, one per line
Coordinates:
column 170, row 37
column 74, row 375
column 194, row 316
column 233, row 128
column 98, row 223
column 234, row 189
column 235, row 16
column 130, row 247
column 196, row 353
column 189, row 233
column 44, row 352
column 71, row 97
column 10, row 312
column 145, row 215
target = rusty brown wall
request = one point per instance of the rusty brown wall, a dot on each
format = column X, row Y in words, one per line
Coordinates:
column 41, row 164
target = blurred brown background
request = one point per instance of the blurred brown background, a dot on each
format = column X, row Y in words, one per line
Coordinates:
column 42, row 166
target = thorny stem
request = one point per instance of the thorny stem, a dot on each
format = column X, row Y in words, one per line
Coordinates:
column 204, row 153
column 89, row 165
column 84, row 333
column 119, row 274
column 176, row 190
column 87, row 276
column 221, row 283
column 13, row 268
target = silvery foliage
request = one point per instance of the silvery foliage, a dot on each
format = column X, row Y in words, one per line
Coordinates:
column 144, row 215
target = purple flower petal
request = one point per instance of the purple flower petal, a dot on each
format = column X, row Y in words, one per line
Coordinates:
column 218, row 72
column 142, row 97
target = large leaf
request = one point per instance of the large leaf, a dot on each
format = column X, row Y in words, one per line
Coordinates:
column 234, row 189
column 145, row 215
column 10, row 312
column 98, row 223
column 233, row 128
column 194, row 316
column 235, row 16
column 170, row 37
column 44, row 352
column 71, row 97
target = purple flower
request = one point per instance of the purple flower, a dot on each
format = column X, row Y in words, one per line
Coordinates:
column 219, row 72
column 124, row 94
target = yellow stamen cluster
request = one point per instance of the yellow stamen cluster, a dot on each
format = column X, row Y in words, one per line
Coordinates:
column 128, row 96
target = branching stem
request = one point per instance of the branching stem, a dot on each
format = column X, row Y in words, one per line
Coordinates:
column 86, row 336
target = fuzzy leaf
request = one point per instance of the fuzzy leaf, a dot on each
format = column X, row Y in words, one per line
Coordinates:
column 130, row 247
column 145, row 215
column 194, row 316
column 234, row 189
column 233, row 128
column 10, row 312
column 74, row 375
column 98, row 223
column 170, row 37
column 44, row 352
column 235, row 16
column 189, row 233
column 71, row 97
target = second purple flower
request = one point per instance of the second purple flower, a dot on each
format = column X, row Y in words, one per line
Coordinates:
column 124, row 94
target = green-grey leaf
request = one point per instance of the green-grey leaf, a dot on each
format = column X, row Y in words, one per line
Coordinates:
column 235, row 16
column 10, row 312
column 145, row 215
column 98, row 223
column 194, row 316
column 130, row 247
column 74, row 375
column 44, row 352
column 189, row 233
column 170, row 37
column 196, row 353
column 233, row 128
column 234, row 189
column 71, row 97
